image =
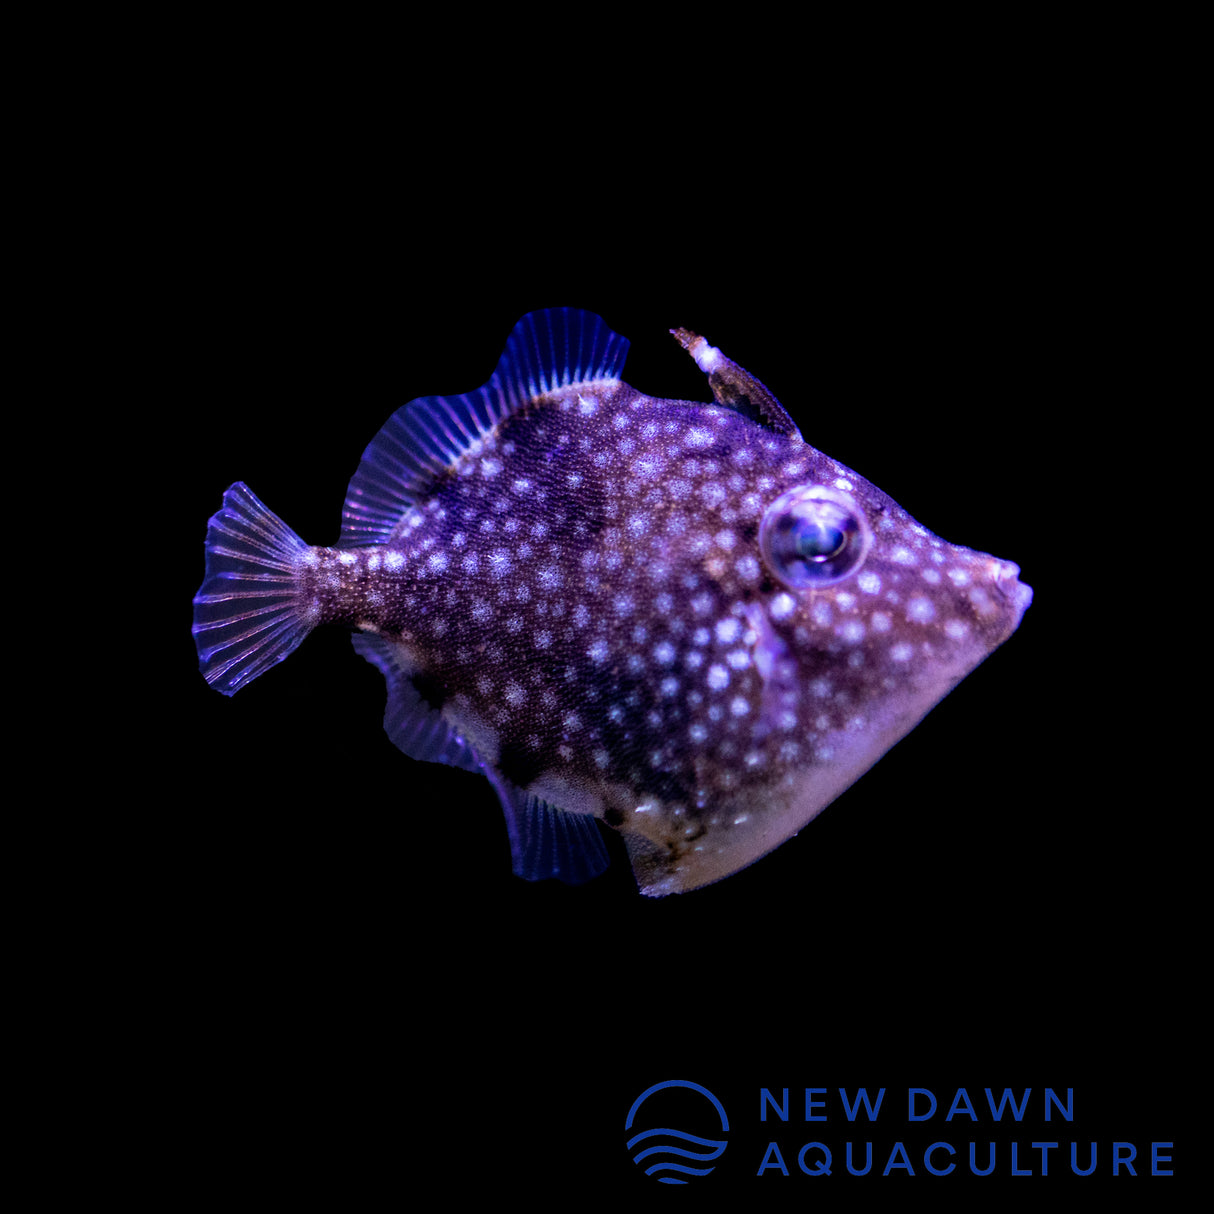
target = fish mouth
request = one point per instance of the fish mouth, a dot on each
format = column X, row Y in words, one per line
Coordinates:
column 1008, row 583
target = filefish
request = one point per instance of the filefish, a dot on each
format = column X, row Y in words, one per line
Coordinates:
column 677, row 619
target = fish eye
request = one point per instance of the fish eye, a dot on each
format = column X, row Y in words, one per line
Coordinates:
column 813, row 536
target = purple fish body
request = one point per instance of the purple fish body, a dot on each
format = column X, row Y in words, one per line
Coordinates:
column 677, row 619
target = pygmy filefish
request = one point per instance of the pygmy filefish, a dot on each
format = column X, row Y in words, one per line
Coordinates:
column 674, row 618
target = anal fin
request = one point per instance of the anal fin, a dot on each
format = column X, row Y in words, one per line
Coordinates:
column 414, row 725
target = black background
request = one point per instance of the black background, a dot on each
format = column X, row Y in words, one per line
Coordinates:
column 353, row 990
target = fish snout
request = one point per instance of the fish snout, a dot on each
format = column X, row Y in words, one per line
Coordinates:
column 1008, row 583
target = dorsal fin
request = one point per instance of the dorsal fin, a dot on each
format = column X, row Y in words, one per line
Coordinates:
column 734, row 387
column 547, row 351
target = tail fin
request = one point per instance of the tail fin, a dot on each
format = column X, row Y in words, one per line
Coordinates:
column 247, row 616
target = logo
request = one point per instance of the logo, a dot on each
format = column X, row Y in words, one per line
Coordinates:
column 662, row 1141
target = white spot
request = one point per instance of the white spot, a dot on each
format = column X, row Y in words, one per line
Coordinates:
column 697, row 733
column 981, row 600
column 549, row 577
column 571, row 721
column 718, row 677
column 698, row 436
column 728, row 630
column 543, row 640
column 852, row 631
column 515, row 694
column 880, row 621
column 957, row 629
column 586, row 406
column 932, row 576
column 437, row 561
column 597, row 652
column 347, row 558
column 960, row 577
column 904, row 556
column 393, row 560
column 499, row 562
column 470, row 562
column 664, row 653
column 747, row 568
column 694, row 660
column 739, row 659
column 820, row 614
column 920, row 610
column 670, row 686
column 782, row 606
column 739, row 706
column 491, row 466
column 902, row 652
column 581, row 615
column 712, row 494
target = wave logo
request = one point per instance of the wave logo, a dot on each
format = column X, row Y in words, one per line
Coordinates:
column 678, row 1143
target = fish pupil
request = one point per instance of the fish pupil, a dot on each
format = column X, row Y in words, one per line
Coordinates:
column 818, row 542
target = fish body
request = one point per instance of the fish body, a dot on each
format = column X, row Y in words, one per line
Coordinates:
column 675, row 618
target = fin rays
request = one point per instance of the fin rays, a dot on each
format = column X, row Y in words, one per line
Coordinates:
column 414, row 726
column 546, row 352
column 246, row 619
column 557, row 843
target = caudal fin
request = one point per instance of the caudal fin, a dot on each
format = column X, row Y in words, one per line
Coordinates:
column 247, row 616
